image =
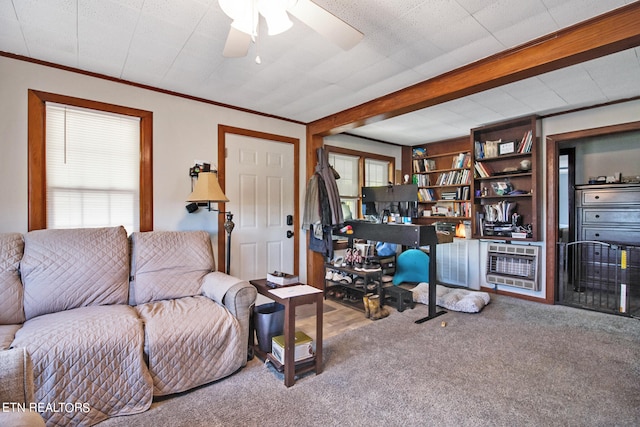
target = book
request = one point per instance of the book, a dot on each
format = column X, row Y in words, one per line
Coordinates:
column 282, row 279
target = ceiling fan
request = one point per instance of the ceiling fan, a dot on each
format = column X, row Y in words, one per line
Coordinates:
column 246, row 14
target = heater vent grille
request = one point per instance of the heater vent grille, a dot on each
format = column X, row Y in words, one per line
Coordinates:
column 452, row 261
column 513, row 265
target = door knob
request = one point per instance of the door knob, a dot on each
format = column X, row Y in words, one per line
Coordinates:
column 289, row 234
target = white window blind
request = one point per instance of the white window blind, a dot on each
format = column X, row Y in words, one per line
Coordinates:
column 92, row 168
column 347, row 167
column 376, row 173
column 348, row 186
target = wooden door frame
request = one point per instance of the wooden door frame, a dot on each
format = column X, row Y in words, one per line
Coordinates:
column 602, row 35
column 223, row 131
column 553, row 178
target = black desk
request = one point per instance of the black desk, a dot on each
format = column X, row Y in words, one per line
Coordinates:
column 412, row 235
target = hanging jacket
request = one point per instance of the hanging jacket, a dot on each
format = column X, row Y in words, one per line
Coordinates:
column 326, row 172
column 317, row 209
column 311, row 204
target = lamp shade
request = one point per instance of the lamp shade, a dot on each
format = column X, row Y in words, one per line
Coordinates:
column 207, row 189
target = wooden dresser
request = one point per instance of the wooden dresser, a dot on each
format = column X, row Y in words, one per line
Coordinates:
column 610, row 214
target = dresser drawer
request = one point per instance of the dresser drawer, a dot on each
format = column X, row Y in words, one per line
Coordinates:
column 622, row 196
column 607, row 274
column 616, row 235
column 598, row 253
column 610, row 216
column 601, row 273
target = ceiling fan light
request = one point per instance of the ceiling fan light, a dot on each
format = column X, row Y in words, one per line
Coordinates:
column 278, row 23
column 245, row 25
column 231, row 8
column 244, row 14
column 275, row 13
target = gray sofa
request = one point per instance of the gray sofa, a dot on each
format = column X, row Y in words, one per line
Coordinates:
column 109, row 321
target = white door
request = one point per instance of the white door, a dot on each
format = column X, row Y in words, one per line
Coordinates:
column 259, row 179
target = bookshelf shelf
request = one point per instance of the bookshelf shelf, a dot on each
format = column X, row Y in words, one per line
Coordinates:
column 506, row 156
column 444, row 175
column 513, row 196
column 441, row 170
column 447, row 201
column 503, row 176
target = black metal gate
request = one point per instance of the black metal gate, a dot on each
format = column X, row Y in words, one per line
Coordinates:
column 600, row 276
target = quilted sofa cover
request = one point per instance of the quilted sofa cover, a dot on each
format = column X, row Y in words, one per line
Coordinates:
column 168, row 270
column 11, row 291
column 85, row 342
column 74, row 268
column 88, row 355
column 11, row 250
column 108, row 321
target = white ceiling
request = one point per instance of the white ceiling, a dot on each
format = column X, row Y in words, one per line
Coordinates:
column 177, row 45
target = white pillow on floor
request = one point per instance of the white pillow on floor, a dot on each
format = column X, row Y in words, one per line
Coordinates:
column 453, row 299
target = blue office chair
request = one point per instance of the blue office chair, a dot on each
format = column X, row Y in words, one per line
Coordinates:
column 412, row 266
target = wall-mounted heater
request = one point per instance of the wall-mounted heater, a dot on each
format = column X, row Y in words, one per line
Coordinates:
column 513, row 265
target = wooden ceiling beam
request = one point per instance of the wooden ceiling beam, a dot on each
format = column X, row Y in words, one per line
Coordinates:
column 611, row 32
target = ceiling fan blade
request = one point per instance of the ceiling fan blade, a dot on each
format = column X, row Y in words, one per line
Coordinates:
column 237, row 44
column 326, row 24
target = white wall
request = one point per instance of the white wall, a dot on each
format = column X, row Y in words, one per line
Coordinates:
column 593, row 118
column 360, row 144
column 183, row 131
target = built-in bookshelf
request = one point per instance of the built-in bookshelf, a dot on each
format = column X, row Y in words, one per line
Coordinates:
column 506, row 204
column 444, row 175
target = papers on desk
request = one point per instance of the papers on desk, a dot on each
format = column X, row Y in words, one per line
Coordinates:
column 294, row 291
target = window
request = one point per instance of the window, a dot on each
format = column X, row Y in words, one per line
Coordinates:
column 348, row 184
column 92, row 168
column 89, row 164
column 358, row 169
column 376, row 173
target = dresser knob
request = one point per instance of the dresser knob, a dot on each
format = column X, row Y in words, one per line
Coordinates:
column 597, row 197
column 597, row 216
column 597, row 234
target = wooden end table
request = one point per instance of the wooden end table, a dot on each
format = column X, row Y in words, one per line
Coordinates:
column 290, row 368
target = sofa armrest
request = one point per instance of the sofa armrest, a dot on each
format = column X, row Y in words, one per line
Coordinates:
column 16, row 376
column 238, row 296
column 16, row 390
column 215, row 285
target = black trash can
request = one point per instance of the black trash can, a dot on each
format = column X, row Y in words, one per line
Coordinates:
column 269, row 322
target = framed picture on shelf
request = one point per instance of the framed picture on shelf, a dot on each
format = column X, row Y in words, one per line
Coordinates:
column 507, row 148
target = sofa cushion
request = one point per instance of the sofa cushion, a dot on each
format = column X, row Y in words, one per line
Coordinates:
column 168, row 264
column 65, row 269
column 91, row 355
column 11, row 249
column 208, row 345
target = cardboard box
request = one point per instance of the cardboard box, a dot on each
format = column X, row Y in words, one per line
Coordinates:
column 303, row 347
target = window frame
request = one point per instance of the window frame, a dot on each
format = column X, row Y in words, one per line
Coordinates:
column 362, row 156
column 36, row 164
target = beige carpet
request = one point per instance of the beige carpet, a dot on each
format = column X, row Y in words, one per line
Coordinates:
column 516, row 363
